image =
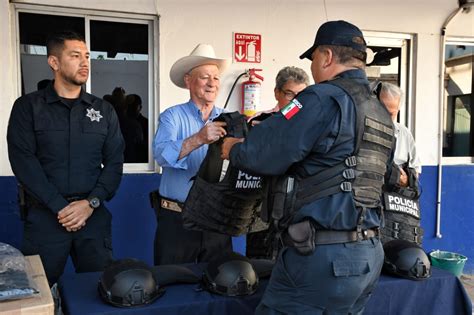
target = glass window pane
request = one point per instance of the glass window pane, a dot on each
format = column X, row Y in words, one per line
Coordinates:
column 458, row 125
column 34, row 30
column 119, row 73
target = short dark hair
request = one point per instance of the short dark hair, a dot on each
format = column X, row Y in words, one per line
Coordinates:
column 289, row 73
column 347, row 55
column 55, row 41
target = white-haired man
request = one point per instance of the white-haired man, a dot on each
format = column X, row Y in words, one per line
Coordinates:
column 179, row 147
column 405, row 152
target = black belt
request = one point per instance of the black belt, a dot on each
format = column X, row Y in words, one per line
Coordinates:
column 159, row 202
column 326, row 237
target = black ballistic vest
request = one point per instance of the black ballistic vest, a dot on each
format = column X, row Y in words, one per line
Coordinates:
column 402, row 211
column 361, row 174
column 227, row 204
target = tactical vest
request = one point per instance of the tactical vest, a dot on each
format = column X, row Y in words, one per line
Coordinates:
column 361, row 174
column 227, row 204
column 402, row 213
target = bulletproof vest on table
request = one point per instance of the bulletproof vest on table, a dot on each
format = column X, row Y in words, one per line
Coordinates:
column 361, row 174
column 229, row 203
column 402, row 213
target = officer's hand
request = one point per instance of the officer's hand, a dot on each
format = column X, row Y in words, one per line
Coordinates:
column 227, row 145
column 403, row 178
column 212, row 132
column 73, row 217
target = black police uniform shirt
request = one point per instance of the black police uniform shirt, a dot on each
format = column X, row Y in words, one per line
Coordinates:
column 58, row 149
column 304, row 145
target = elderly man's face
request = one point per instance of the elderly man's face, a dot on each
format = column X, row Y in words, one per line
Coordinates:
column 288, row 92
column 203, row 83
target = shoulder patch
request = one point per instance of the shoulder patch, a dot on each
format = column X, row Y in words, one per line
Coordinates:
column 291, row 109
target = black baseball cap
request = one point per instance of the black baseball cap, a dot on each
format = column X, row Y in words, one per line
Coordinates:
column 337, row 33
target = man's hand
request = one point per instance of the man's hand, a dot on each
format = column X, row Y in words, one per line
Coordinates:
column 73, row 217
column 403, row 178
column 227, row 145
column 212, row 132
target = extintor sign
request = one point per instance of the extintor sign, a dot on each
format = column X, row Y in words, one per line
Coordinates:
column 247, row 47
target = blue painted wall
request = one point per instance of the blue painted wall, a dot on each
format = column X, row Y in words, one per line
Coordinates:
column 134, row 221
column 457, row 211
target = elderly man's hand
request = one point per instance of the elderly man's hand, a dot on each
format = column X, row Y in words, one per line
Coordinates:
column 212, row 132
column 403, row 178
column 227, row 145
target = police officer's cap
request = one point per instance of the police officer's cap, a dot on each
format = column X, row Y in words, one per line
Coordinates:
column 129, row 282
column 337, row 33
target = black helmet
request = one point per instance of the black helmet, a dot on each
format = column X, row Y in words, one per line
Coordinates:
column 230, row 274
column 129, row 282
column 407, row 260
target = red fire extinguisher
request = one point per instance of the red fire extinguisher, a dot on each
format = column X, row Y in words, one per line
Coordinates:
column 251, row 90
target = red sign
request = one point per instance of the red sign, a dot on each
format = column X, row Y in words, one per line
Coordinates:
column 247, row 47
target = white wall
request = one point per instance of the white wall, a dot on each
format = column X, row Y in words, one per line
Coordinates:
column 287, row 29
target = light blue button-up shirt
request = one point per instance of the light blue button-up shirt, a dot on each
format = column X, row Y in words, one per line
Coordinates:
column 175, row 125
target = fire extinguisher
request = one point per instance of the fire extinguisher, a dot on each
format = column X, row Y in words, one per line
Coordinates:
column 251, row 90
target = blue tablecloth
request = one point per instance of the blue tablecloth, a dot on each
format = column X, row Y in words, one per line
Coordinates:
column 441, row 294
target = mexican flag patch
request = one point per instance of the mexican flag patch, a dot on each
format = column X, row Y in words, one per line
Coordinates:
column 291, row 109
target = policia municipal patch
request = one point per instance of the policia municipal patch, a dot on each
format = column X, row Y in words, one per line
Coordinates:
column 398, row 203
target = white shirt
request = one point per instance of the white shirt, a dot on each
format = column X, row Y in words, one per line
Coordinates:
column 405, row 150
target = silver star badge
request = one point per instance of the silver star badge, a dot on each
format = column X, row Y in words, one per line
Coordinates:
column 93, row 114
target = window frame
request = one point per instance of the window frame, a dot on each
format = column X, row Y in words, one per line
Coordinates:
column 455, row 160
column 407, row 43
column 109, row 16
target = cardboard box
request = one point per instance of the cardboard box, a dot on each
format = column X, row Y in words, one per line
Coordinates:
column 42, row 303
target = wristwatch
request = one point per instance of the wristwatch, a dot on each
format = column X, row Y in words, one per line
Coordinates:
column 94, row 202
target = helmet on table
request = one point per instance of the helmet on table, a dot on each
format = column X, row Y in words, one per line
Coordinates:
column 230, row 274
column 129, row 282
column 406, row 259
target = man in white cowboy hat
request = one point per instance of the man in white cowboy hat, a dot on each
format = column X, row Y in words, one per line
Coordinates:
column 179, row 147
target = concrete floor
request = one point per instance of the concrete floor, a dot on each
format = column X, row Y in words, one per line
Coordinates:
column 468, row 282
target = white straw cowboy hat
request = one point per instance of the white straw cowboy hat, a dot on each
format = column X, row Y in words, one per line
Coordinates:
column 203, row 54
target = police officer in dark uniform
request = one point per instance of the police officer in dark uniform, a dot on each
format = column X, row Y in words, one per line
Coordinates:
column 66, row 151
column 333, row 142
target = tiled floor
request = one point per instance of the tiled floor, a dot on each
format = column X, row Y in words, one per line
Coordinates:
column 468, row 282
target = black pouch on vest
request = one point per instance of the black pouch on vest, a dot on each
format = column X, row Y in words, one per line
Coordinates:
column 280, row 199
column 302, row 236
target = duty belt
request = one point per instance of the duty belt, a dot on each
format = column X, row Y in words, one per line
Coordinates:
column 326, row 237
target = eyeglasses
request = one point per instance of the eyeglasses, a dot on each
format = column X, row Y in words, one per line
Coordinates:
column 289, row 95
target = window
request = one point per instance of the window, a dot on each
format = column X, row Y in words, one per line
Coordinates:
column 121, row 69
column 458, row 138
column 392, row 63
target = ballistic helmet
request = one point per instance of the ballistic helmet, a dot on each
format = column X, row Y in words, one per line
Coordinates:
column 407, row 260
column 129, row 282
column 231, row 275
